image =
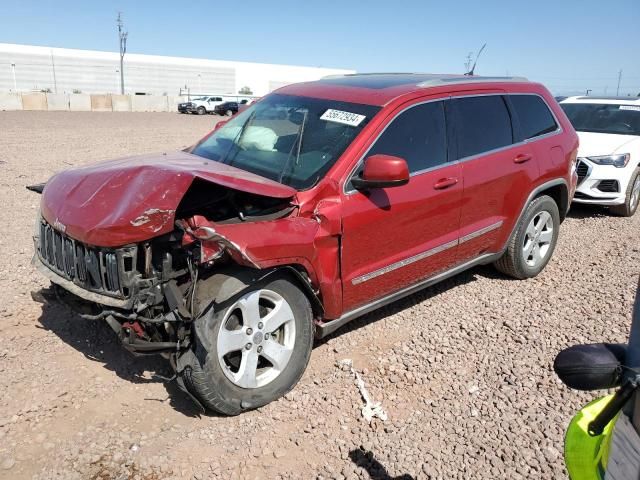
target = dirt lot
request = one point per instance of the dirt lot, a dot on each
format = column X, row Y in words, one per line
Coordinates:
column 463, row 369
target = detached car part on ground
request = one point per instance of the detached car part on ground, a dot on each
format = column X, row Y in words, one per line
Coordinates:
column 602, row 440
column 314, row 206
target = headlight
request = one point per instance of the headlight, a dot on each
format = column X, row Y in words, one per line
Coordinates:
column 619, row 160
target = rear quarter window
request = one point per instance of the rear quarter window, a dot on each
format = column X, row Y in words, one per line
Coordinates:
column 534, row 115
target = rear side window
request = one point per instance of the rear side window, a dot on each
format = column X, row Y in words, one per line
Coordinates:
column 534, row 115
column 418, row 135
column 482, row 124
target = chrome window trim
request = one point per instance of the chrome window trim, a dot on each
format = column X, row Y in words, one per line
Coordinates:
column 422, row 255
column 364, row 155
column 459, row 160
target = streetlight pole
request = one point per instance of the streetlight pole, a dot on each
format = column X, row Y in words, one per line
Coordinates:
column 619, row 78
column 123, row 49
column 13, row 71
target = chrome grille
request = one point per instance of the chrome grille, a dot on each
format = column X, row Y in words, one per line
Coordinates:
column 97, row 269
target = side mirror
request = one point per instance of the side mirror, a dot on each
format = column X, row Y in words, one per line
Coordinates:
column 382, row 171
column 596, row 366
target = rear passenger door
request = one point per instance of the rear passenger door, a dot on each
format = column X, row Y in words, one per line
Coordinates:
column 497, row 171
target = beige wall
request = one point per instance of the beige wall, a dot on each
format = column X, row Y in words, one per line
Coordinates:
column 78, row 102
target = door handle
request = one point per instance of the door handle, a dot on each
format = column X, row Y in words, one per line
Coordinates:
column 445, row 183
column 522, row 158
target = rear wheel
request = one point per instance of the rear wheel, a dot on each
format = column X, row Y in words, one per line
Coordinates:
column 632, row 198
column 201, row 110
column 534, row 240
column 251, row 349
column 228, row 113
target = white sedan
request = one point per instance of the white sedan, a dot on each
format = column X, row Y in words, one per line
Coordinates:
column 609, row 153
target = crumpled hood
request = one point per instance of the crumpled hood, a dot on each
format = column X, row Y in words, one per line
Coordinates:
column 132, row 199
column 593, row 144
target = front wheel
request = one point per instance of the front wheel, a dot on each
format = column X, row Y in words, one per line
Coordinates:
column 632, row 198
column 228, row 113
column 251, row 349
column 201, row 110
column 531, row 246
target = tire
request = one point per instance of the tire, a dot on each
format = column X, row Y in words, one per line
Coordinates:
column 225, row 389
column 228, row 113
column 201, row 111
column 532, row 244
column 631, row 199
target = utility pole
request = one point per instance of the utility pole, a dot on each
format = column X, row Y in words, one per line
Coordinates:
column 53, row 68
column 619, row 78
column 467, row 64
column 123, row 49
column 471, row 71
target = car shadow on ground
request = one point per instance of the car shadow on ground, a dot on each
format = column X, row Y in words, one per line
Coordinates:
column 374, row 468
column 581, row 211
column 97, row 342
column 468, row 276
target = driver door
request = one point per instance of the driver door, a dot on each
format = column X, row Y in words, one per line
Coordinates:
column 395, row 237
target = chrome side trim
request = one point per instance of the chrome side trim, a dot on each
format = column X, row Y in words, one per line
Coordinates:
column 480, row 232
column 404, row 262
column 331, row 326
column 428, row 253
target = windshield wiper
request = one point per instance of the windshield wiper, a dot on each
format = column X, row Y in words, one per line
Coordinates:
column 297, row 143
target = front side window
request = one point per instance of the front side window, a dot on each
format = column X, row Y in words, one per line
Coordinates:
column 418, row 135
column 604, row 117
column 482, row 124
column 292, row 140
column 534, row 115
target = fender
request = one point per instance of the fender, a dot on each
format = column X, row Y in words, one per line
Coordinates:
column 224, row 284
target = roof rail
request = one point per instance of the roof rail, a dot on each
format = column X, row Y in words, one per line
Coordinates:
column 435, row 82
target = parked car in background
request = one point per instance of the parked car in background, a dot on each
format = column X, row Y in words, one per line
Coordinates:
column 609, row 153
column 200, row 105
column 315, row 205
column 226, row 108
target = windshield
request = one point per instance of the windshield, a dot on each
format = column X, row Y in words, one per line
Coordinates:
column 604, row 118
column 201, row 98
column 292, row 140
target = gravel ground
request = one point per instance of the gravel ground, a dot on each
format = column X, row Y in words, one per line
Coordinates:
column 463, row 369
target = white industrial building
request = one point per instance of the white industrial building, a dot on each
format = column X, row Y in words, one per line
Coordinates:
column 27, row 68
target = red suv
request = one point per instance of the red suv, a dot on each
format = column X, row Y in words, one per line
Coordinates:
column 316, row 205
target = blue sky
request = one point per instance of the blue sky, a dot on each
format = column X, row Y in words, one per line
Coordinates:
column 568, row 45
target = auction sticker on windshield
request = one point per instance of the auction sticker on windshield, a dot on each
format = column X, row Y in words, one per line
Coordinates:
column 346, row 118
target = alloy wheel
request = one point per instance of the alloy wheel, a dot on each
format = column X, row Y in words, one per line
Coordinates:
column 256, row 339
column 538, row 238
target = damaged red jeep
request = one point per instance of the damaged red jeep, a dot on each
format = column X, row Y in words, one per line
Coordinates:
column 316, row 205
